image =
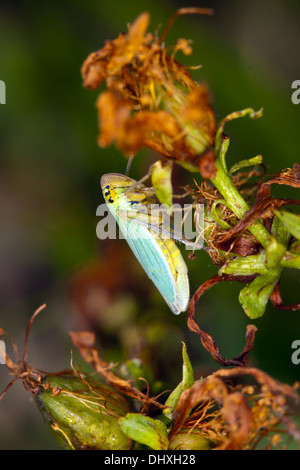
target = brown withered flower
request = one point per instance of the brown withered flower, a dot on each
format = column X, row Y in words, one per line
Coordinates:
column 150, row 99
column 242, row 408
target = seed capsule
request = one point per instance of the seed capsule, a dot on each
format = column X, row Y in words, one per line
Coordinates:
column 83, row 414
column 190, row 439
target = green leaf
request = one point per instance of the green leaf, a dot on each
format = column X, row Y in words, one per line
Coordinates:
column 145, row 430
column 187, row 370
column 291, row 259
column 243, row 266
column 235, row 115
column 290, row 221
column 187, row 382
column 295, row 247
column 245, row 163
column 255, row 296
column 222, row 151
column 280, row 232
column 215, row 214
column 275, row 252
column 172, row 400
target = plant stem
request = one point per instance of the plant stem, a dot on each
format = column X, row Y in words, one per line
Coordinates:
column 237, row 203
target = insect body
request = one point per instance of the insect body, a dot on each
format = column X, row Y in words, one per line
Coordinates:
column 130, row 203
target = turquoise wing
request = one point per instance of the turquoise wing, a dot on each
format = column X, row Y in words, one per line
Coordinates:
column 151, row 257
column 157, row 224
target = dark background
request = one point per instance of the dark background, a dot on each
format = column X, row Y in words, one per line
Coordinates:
column 49, row 190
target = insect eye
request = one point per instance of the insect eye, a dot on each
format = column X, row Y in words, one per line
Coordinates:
column 110, row 199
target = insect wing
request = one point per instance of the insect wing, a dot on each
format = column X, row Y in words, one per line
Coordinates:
column 151, row 257
column 159, row 222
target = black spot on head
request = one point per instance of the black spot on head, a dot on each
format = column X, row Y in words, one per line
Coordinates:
column 107, row 187
column 110, row 199
column 107, row 193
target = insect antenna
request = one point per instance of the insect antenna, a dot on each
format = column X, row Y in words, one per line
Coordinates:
column 128, row 166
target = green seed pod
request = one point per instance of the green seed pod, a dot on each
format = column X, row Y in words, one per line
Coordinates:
column 83, row 414
column 190, row 439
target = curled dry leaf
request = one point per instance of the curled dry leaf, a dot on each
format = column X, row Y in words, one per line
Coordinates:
column 277, row 300
column 207, row 340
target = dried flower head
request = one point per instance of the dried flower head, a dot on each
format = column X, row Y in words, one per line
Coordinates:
column 241, row 408
column 150, row 99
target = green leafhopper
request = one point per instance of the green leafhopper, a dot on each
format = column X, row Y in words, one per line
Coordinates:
column 149, row 237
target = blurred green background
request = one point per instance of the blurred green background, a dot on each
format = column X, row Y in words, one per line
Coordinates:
column 49, row 184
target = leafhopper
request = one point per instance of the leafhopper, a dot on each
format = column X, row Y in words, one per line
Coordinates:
column 149, row 236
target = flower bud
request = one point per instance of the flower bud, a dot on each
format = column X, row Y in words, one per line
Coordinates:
column 190, row 439
column 83, row 413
